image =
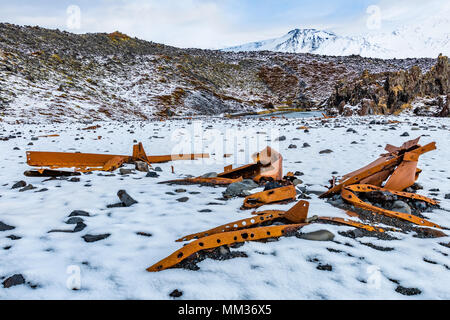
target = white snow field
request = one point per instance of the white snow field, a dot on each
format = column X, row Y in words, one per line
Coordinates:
column 114, row 268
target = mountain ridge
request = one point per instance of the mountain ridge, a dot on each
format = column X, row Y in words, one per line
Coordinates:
column 400, row 43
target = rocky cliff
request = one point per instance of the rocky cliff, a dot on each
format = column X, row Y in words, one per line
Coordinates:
column 393, row 92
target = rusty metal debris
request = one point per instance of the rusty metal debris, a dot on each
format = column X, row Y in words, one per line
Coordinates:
column 92, row 127
column 85, row 162
column 256, row 200
column 267, row 166
column 250, row 230
column 49, row 136
column 398, row 168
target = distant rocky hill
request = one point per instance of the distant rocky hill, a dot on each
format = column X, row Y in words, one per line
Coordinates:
column 50, row 75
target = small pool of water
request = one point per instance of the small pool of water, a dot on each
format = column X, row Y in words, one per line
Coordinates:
column 306, row 114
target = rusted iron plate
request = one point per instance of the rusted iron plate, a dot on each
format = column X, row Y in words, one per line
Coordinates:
column 360, row 176
column 66, row 159
column 92, row 127
column 378, row 178
column 369, row 166
column 247, row 171
column 405, row 146
column 267, row 165
column 298, row 213
column 49, row 136
column 403, row 177
column 233, row 226
column 270, row 196
column 221, row 239
column 91, row 161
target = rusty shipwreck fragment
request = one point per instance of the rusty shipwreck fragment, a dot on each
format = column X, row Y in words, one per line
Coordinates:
column 282, row 194
column 398, row 170
column 250, row 229
column 85, row 162
column 267, row 166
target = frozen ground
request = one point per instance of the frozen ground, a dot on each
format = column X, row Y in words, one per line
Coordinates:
column 114, row 268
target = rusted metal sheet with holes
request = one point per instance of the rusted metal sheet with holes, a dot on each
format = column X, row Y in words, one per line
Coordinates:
column 221, row 239
column 248, row 230
column 296, row 214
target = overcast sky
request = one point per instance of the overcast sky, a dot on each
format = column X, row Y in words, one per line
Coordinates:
column 216, row 24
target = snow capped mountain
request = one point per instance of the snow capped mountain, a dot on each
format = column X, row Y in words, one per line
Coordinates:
column 428, row 40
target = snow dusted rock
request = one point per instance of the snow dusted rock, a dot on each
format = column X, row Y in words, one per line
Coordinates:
column 14, row 280
column 125, row 198
column 74, row 220
column 152, row 174
column 237, row 189
column 141, row 166
column 19, row 184
column 124, row 171
column 176, row 293
column 320, row 235
column 209, row 175
column 26, row 188
column 95, row 238
column 5, row 227
column 79, row 213
column 401, row 206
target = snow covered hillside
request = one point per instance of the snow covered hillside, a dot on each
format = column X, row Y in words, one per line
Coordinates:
column 49, row 75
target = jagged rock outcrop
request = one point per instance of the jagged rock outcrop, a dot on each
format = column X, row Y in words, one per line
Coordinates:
column 392, row 92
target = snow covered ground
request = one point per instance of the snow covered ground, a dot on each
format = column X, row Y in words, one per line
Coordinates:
column 114, row 268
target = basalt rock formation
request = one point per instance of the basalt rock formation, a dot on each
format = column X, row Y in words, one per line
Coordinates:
column 394, row 92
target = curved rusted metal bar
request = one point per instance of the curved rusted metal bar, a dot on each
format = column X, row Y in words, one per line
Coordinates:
column 348, row 195
column 221, row 239
column 296, row 214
